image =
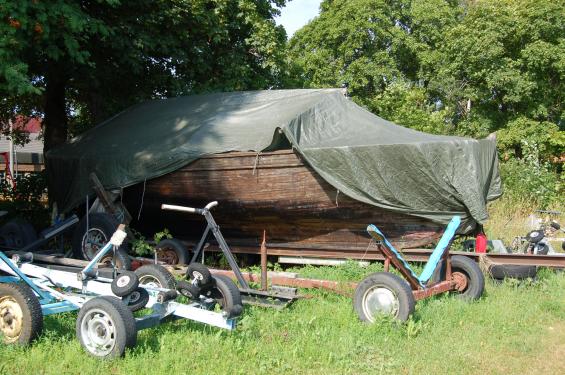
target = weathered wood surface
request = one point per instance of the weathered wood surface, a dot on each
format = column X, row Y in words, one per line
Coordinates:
column 276, row 192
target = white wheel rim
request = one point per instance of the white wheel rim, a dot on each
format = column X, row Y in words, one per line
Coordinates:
column 98, row 332
column 11, row 319
column 123, row 281
column 150, row 281
column 379, row 300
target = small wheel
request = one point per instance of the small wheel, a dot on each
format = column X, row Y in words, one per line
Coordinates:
column 21, row 318
column 101, row 227
column 227, row 295
column 118, row 258
column 535, row 236
column 383, row 293
column 172, row 251
column 188, row 290
column 106, row 327
column 470, row 281
column 469, row 245
column 156, row 276
column 17, row 233
column 138, row 299
column 125, row 283
column 541, row 249
column 199, row 272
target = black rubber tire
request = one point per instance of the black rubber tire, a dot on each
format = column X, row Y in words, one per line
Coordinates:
column 125, row 283
column 475, row 278
column 188, row 290
column 541, row 249
column 398, row 286
column 226, row 294
column 154, row 273
column 181, row 253
column 469, row 245
column 199, row 272
column 120, row 258
column 138, row 299
column 17, row 233
column 103, row 225
column 535, row 236
column 32, row 316
column 125, row 331
column 502, row 271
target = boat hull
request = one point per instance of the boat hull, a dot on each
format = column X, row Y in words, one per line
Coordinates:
column 276, row 193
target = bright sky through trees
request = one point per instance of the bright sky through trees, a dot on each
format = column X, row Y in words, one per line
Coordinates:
column 297, row 13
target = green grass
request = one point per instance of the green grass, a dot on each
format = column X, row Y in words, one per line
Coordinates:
column 514, row 328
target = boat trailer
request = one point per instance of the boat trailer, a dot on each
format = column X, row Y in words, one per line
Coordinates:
column 105, row 324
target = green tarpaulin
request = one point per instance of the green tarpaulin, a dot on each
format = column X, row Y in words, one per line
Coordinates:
column 360, row 154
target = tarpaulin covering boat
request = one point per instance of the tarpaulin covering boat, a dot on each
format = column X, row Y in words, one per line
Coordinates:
column 362, row 156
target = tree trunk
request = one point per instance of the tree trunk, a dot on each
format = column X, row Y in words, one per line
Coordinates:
column 55, row 122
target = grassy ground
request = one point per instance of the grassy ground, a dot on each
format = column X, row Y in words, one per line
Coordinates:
column 513, row 328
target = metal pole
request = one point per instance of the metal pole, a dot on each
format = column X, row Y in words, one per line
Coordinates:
column 264, row 262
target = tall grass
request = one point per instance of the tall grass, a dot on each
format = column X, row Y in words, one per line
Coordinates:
column 510, row 217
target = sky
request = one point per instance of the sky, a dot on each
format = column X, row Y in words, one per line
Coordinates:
column 297, row 13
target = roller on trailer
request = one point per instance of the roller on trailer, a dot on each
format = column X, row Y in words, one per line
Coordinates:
column 105, row 323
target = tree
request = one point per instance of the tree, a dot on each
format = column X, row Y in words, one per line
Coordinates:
column 459, row 67
column 78, row 63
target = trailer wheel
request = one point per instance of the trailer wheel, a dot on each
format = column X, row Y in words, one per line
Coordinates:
column 101, row 226
column 470, row 281
column 383, row 293
column 119, row 258
column 199, row 272
column 156, row 276
column 21, row 318
column 125, row 283
column 172, row 251
column 138, row 299
column 17, row 234
column 106, row 327
column 188, row 290
column 227, row 295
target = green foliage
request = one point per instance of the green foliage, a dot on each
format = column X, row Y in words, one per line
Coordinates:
column 139, row 243
column 26, row 199
column 451, row 67
column 90, row 60
column 528, row 181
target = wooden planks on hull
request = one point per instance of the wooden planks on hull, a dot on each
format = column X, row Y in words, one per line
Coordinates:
column 276, row 192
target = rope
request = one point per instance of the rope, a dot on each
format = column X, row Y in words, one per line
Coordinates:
column 142, row 198
column 336, row 195
column 256, row 162
column 371, row 242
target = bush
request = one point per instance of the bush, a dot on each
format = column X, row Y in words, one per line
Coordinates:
column 28, row 199
column 535, row 183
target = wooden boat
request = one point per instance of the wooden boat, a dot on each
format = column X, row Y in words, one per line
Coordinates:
column 275, row 192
